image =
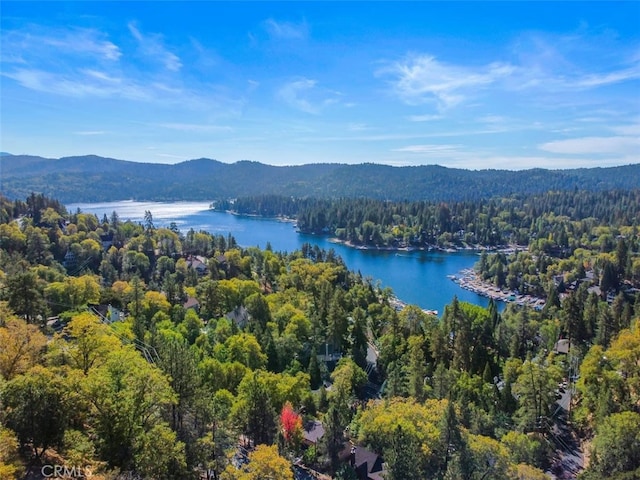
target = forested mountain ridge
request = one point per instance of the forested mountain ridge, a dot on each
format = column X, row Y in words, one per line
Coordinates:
column 93, row 178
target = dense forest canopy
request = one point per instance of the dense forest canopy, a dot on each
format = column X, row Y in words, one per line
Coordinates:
column 135, row 350
column 516, row 219
column 91, row 178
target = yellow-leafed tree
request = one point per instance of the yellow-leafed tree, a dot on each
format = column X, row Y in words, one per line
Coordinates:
column 21, row 345
column 264, row 462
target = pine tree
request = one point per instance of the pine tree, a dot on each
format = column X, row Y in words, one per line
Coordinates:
column 314, row 370
column 462, row 345
column 417, row 368
column 333, row 437
column 403, row 456
column 255, row 412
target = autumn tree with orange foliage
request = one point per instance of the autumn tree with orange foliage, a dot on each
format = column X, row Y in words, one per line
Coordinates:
column 291, row 425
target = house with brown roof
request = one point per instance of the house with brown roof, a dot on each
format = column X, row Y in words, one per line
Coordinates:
column 191, row 302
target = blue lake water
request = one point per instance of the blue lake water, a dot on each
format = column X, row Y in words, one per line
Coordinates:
column 415, row 277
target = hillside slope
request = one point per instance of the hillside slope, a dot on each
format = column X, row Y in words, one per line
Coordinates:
column 92, row 178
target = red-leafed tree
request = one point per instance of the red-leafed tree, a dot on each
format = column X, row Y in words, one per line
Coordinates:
column 291, row 424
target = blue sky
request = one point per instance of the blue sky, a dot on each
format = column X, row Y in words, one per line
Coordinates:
column 472, row 85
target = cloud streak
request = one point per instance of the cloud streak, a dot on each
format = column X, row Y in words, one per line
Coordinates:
column 427, row 149
column 152, row 47
column 196, row 127
column 419, row 79
column 424, row 118
column 80, row 84
column 617, row 145
column 90, row 132
column 39, row 43
column 84, row 63
column 560, row 64
column 286, row 30
column 573, row 61
column 304, row 94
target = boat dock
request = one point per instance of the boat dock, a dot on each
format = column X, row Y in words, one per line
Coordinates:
column 469, row 280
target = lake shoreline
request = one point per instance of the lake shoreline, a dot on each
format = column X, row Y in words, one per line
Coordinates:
column 279, row 218
column 430, row 248
column 418, row 278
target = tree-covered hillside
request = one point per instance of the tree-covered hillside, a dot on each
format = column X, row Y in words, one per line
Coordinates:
column 142, row 352
column 92, row 178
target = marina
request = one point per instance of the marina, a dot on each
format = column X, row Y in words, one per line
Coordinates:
column 469, row 280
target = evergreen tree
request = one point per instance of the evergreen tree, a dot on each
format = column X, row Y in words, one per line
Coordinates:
column 179, row 362
column 359, row 344
column 314, row 370
column 403, row 456
column 604, row 327
column 254, row 412
column 417, row 368
column 333, row 439
column 462, row 344
column 395, row 385
column 24, row 295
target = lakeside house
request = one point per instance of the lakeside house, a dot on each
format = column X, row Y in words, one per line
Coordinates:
column 367, row 464
column 239, row 316
column 106, row 240
column 198, row 264
column 192, row 303
column 562, row 346
column 313, row 431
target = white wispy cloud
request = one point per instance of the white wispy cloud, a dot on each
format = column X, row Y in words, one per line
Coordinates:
column 304, row 94
column 79, row 84
column 286, row 30
column 152, row 47
column 492, row 119
column 427, row 149
column 90, row 132
column 36, row 42
column 86, row 41
column 88, row 83
column 571, row 79
column 602, row 79
column 631, row 129
column 419, row 79
column 84, row 63
column 206, row 58
column 424, row 118
column 382, row 137
column 540, row 62
column 616, row 145
column 196, row 127
column 579, row 60
column 292, row 94
column 72, row 62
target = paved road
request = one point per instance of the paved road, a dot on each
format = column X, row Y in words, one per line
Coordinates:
column 569, row 459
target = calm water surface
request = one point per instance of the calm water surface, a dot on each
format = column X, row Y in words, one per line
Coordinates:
column 414, row 277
